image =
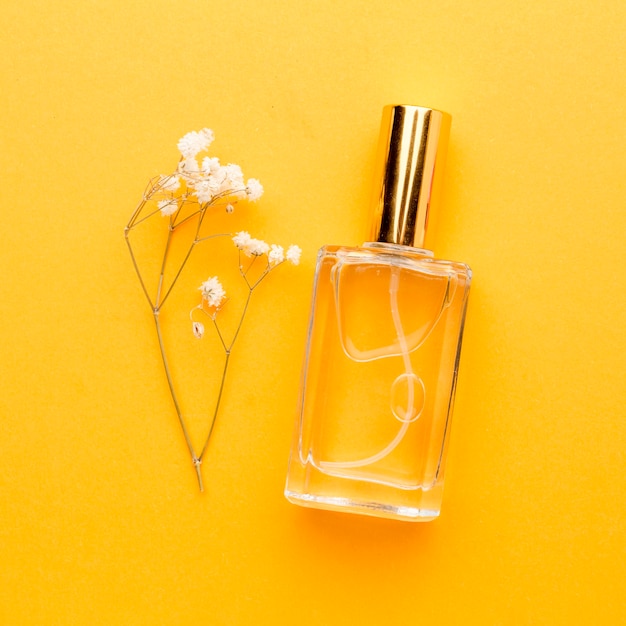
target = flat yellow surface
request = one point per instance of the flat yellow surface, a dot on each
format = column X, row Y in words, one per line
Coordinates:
column 101, row 521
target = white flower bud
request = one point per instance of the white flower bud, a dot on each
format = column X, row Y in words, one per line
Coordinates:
column 198, row 329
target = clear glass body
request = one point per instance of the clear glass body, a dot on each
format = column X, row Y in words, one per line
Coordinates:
column 378, row 381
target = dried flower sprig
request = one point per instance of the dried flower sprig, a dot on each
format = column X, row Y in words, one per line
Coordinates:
column 184, row 198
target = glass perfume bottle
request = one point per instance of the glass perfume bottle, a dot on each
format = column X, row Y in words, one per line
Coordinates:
column 383, row 345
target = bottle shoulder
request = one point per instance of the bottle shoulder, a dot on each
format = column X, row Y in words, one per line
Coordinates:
column 391, row 254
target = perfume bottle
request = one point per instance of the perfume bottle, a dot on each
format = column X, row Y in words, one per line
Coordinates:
column 383, row 345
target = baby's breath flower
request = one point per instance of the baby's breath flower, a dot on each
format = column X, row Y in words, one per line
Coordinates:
column 203, row 195
column 254, row 189
column 169, row 183
column 197, row 329
column 210, row 165
column 234, row 175
column 213, row 292
column 206, row 189
column 249, row 246
column 168, row 207
column 189, row 169
column 256, row 247
column 276, row 254
column 208, row 135
column 293, row 254
column 195, row 141
column 242, row 239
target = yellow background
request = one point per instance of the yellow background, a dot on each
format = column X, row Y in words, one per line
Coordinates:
column 101, row 521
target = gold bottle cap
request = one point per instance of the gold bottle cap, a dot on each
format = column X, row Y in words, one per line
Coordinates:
column 411, row 157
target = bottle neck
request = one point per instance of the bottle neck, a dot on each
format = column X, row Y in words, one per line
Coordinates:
column 398, row 248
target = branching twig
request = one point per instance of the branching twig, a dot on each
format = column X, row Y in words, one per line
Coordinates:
column 206, row 185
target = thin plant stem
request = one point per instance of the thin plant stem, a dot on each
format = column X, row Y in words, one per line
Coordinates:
column 184, row 262
column 145, row 217
column 243, row 274
column 219, row 333
column 212, row 237
column 170, row 383
column 141, row 281
column 162, row 273
column 266, row 271
column 228, row 351
column 217, row 405
column 252, row 262
column 193, row 244
column 243, row 315
column 187, row 218
column 178, row 273
column 136, row 214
